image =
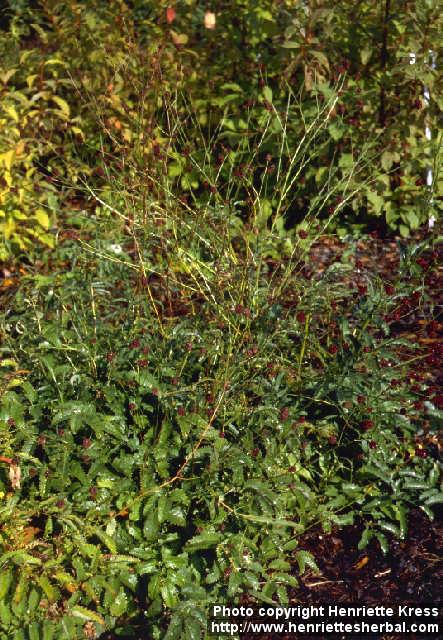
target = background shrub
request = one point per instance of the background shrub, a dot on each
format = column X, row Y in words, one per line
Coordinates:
column 65, row 66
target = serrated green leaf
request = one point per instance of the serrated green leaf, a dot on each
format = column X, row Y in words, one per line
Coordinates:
column 234, row 582
column 365, row 538
column 402, row 518
column 203, row 541
column 436, row 499
column 305, row 559
column 6, row 578
column 106, row 539
column 391, row 527
column 86, row 614
column 384, row 545
column 51, row 592
column 120, row 604
column 169, row 593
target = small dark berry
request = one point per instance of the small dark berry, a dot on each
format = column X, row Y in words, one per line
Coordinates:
column 303, row 234
column 284, row 414
column 86, row 443
column 366, row 425
column 132, row 406
column 93, row 492
column 333, row 349
column 424, row 264
column 390, row 290
column 438, row 401
column 134, row 344
column 373, row 444
column 181, row 411
column 300, row 316
column 332, row 440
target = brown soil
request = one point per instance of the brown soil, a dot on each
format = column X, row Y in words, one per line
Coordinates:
column 411, row 573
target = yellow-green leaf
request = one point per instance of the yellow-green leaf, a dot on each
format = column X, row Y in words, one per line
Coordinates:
column 42, row 218
column 63, row 105
column 7, row 158
column 10, row 110
column 4, row 77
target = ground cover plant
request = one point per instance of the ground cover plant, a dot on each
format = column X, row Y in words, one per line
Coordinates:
column 186, row 390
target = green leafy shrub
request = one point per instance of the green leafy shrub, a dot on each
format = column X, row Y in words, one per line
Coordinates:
column 186, row 395
column 61, row 66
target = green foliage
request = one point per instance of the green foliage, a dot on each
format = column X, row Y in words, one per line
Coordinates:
column 71, row 70
column 181, row 413
column 183, row 395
